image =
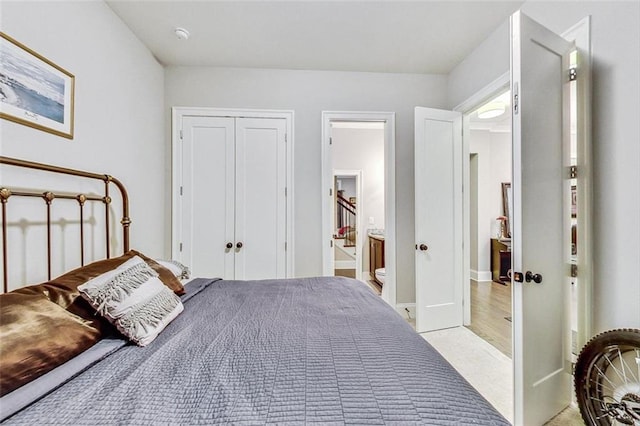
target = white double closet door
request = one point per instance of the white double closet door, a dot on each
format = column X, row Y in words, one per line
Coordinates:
column 233, row 207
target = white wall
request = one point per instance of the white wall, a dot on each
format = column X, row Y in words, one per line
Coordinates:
column 615, row 36
column 363, row 149
column 493, row 159
column 119, row 120
column 309, row 93
column 348, row 185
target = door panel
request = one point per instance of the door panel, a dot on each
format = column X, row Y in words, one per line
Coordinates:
column 260, row 198
column 207, row 200
column 438, row 218
column 540, row 220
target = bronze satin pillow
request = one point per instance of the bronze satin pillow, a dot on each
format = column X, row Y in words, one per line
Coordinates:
column 42, row 326
column 63, row 290
column 38, row 335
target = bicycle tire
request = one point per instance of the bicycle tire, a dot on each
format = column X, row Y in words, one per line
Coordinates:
column 607, row 379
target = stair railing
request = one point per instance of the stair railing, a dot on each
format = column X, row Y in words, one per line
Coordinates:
column 346, row 220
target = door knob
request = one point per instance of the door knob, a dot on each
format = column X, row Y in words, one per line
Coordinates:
column 530, row 276
column 423, row 247
column 239, row 245
column 229, row 245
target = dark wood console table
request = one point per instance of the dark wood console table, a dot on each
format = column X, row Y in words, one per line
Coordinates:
column 376, row 255
column 500, row 260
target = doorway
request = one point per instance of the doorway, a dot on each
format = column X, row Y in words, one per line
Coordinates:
column 541, row 230
column 347, row 241
column 359, row 144
column 489, row 165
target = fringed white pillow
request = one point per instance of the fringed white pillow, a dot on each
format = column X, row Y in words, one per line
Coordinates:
column 133, row 298
column 178, row 269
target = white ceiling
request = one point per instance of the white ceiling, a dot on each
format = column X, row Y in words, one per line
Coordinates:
column 369, row 36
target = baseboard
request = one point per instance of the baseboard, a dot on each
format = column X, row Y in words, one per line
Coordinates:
column 401, row 308
column 480, row 275
column 344, row 264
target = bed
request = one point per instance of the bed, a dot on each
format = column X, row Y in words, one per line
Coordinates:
column 323, row 350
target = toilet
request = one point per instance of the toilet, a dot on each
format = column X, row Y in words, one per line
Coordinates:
column 380, row 274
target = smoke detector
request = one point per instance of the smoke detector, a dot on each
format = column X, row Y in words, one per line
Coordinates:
column 182, row 33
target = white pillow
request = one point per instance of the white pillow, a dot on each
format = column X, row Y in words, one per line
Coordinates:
column 133, row 298
column 178, row 269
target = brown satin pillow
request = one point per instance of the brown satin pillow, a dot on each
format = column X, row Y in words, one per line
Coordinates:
column 42, row 326
column 63, row 290
column 38, row 335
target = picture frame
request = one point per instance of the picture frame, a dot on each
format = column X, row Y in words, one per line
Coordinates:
column 34, row 91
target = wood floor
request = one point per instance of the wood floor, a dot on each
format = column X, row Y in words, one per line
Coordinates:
column 349, row 273
column 490, row 305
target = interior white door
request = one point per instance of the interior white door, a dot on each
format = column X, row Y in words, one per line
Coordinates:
column 207, row 202
column 539, row 73
column 261, row 214
column 438, row 218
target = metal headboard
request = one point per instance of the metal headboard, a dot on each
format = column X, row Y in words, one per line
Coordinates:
column 49, row 196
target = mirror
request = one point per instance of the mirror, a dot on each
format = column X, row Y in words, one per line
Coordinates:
column 506, row 209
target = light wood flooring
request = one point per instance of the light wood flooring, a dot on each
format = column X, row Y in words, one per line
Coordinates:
column 490, row 305
column 349, row 273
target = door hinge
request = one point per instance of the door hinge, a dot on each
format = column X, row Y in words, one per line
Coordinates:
column 573, row 172
column 180, row 134
column 285, row 138
column 330, row 243
column 573, row 74
column 180, row 190
column 180, row 246
column 515, row 98
column 285, row 191
column 330, row 141
column 330, row 192
column 285, row 246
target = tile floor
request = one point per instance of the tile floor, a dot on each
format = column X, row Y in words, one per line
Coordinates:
column 487, row 369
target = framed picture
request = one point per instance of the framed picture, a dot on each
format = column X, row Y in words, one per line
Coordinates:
column 33, row 90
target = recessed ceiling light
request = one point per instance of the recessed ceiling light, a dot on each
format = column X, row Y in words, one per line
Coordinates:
column 182, row 33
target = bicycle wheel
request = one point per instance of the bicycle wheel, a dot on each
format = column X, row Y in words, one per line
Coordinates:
column 607, row 379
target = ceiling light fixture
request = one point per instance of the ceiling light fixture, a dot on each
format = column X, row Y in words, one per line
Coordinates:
column 491, row 110
column 182, row 33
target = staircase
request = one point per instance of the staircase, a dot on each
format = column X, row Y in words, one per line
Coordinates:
column 345, row 221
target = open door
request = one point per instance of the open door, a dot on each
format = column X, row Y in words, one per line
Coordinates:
column 540, row 246
column 438, row 219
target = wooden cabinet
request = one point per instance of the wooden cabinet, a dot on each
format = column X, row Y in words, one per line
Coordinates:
column 376, row 256
column 500, row 260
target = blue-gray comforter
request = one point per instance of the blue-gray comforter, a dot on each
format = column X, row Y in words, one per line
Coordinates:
column 312, row 350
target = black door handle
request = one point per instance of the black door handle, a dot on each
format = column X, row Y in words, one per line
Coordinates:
column 229, row 245
column 530, row 276
column 239, row 245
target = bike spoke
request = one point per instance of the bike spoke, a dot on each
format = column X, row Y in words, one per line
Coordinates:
column 602, row 385
column 623, row 376
column 604, row 376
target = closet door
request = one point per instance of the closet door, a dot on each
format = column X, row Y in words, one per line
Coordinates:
column 208, row 180
column 260, row 199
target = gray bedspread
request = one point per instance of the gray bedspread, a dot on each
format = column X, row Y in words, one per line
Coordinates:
column 312, row 350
